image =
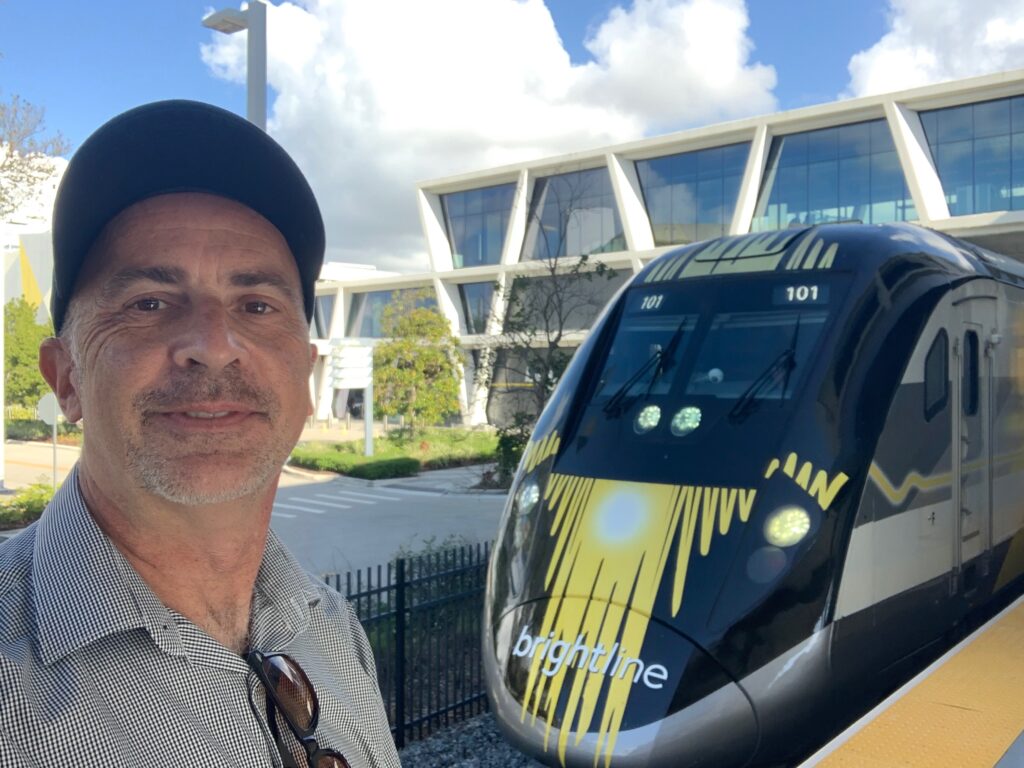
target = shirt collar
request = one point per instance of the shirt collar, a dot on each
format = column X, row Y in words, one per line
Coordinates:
column 84, row 589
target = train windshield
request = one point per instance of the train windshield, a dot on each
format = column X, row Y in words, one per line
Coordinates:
column 707, row 354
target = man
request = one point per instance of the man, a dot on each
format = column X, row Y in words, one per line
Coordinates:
column 150, row 618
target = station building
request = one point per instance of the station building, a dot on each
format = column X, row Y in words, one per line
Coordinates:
column 947, row 156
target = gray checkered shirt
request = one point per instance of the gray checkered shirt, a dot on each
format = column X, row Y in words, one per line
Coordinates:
column 96, row 671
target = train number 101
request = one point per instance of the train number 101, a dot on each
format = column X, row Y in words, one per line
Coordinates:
column 801, row 293
column 651, row 302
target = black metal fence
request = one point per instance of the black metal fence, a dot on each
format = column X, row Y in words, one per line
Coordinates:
column 423, row 616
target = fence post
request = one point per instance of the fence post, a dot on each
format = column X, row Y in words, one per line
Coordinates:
column 400, row 653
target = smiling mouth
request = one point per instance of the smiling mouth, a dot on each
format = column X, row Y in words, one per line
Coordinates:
column 200, row 417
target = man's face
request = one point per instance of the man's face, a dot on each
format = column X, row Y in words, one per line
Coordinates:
column 188, row 354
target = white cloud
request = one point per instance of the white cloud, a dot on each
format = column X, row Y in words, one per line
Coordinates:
column 371, row 97
column 931, row 41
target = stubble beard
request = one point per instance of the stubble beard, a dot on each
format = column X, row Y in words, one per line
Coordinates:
column 159, row 469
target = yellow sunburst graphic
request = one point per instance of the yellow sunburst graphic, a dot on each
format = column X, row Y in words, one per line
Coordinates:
column 612, row 546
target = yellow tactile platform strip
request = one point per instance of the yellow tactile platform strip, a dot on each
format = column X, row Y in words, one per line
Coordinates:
column 966, row 713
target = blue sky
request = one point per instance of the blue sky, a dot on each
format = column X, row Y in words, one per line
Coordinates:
column 84, row 62
column 372, row 96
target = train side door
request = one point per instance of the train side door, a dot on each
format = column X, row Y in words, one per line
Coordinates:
column 972, row 440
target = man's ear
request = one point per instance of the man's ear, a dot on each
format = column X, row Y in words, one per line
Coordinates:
column 58, row 367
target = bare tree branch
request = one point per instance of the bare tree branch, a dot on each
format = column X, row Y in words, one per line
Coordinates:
column 26, row 153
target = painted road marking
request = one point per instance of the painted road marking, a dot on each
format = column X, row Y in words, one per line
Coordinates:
column 301, row 509
column 321, row 503
column 338, row 497
column 281, row 514
column 368, row 496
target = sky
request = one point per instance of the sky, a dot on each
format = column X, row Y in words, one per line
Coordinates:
column 372, row 96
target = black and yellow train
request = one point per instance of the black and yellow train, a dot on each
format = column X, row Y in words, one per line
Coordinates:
column 779, row 472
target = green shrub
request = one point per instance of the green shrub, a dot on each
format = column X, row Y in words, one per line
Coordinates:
column 323, row 458
column 34, row 429
column 512, row 440
column 432, row 448
column 386, row 468
column 26, row 505
column 28, row 429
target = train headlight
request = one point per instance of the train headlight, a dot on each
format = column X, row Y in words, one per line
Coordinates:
column 685, row 421
column 787, row 526
column 647, row 419
column 527, row 497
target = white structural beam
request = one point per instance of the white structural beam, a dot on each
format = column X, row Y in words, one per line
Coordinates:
column 750, row 187
column 439, row 250
column 636, row 223
column 916, row 161
column 516, row 232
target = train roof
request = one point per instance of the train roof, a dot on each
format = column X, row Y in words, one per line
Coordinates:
column 841, row 247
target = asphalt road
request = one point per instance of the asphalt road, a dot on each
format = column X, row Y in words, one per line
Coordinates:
column 331, row 525
column 337, row 526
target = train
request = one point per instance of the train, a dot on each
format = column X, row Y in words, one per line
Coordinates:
column 780, row 473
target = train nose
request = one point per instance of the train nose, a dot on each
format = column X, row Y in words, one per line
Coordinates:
column 598, row 684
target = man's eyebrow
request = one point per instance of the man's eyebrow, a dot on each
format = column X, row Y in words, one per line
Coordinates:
column 129, row 275
column 259, row 278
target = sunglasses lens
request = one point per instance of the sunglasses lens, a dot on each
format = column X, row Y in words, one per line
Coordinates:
column 294, row 693
column 331, row 760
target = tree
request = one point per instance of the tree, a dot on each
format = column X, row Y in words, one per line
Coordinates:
column 26, row 155
column 560, row 295
column 23, row 383
column 416, row 371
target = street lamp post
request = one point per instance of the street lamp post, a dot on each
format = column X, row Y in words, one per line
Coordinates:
column 254, row 19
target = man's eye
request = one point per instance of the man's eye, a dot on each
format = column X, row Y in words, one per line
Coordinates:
column 258, row 307
column 148, row 305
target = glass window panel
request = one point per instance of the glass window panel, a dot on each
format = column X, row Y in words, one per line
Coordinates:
column 710, row 209
column 561, row 302
column 823, row 192
column 1017, row 114
column 709, row 164
column 822, row 145
column 690, row 195
column 734, row 159
column 992, row 118
column 573, row 214
column 832, row 189
column 476, row 221
column 955, row 124
column 792, row 186
column 323, row 311
column 936, row 377
column 977, row 158
column 855, row 140
column 1017, row 170
column 955, row 163
column 930, row 122
column 881, row 136
column 367, row 310
column 855, row 189
column 792, row 149
column 476, row 305
column 992, row 174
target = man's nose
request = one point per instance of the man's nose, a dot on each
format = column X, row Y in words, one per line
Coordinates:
column 207, row 338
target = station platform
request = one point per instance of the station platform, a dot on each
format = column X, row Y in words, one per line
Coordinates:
column 965, row 710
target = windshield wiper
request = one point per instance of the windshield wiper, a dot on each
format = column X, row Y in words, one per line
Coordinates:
column 661, row 361
column 784, row 363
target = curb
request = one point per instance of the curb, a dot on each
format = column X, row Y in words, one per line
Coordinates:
column 440, row 491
